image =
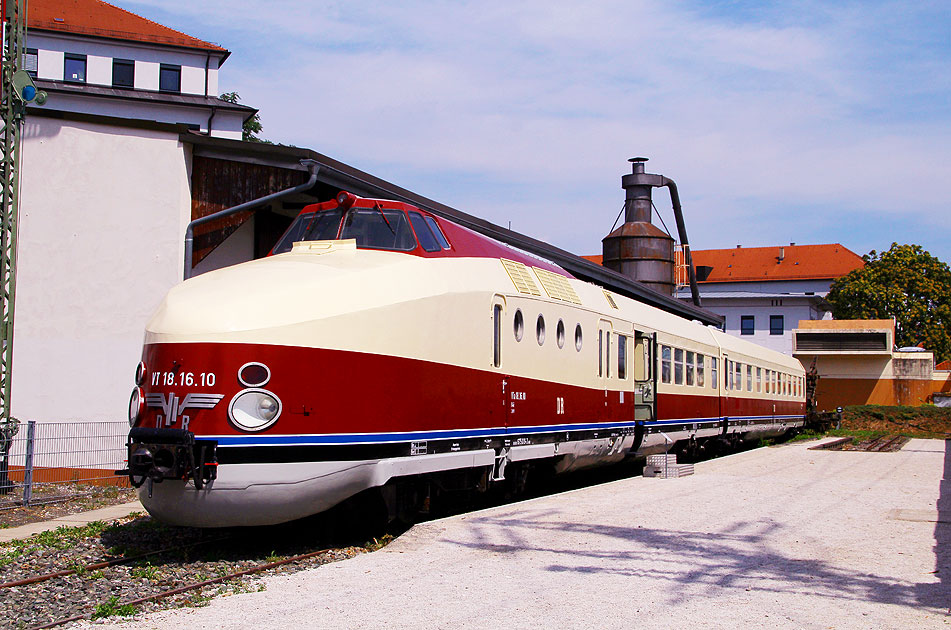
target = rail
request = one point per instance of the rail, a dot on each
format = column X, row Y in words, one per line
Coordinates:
column 51, row 462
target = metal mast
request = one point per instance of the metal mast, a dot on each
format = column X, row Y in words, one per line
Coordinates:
column 16, row 90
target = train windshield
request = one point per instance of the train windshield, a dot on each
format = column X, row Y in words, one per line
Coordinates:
column 310, row 226
column 373, row 228
column 379, row 228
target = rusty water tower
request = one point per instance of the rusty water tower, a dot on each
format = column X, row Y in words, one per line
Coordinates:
column 640, row 250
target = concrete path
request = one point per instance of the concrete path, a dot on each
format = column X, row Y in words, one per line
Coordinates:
column 72, row 520
column 780, row 537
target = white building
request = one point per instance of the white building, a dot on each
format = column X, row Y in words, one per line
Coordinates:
column 105, row 197
column 92, row 57
column 763, row 292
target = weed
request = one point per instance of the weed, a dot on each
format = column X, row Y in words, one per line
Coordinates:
column 274, row 557
column 10, row 554
column 378, row 543
column 112, row 608
column 147, row 571
column 63, row 536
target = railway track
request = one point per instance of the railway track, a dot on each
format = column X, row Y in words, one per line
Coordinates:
column 162, row 571
column 188, row 587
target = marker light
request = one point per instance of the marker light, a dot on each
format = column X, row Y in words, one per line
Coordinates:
column 254, row 374
column 140, row 371
column 345, row 199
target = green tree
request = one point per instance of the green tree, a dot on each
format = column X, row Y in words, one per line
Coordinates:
column 906, row 283
column 252, row 126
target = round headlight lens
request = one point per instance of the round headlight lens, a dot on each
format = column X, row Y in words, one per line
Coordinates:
column 254, row 409
column 136, row 403
column 267, row 407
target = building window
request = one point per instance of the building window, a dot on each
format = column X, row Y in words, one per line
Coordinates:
column 123, row 73
column 74, row 69
column 31, row 61
column 170, row 78
column 747, row 324
column 776, row 324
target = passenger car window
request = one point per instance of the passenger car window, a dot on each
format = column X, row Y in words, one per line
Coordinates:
column 622, row 357
column 665, row 364
column 678, row 366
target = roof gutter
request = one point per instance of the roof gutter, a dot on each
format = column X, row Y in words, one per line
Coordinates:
column 312, row 166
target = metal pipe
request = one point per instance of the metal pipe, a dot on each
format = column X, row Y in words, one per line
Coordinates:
column 682, row 232
column 311, row 166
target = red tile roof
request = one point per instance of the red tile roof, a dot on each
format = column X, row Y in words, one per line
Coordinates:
column 100, row 19
column 754, row 264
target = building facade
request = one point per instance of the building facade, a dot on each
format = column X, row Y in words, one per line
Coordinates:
column 857, row 364
column 763, row 292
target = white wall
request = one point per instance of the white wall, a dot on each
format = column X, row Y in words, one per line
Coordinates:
column 225, row 124
column 102, row 217
column 100, row 53
column 792, row 311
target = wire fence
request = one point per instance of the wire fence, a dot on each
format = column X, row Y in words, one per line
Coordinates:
column 49, row 462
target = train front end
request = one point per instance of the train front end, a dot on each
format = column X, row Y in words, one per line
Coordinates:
column 250, row 374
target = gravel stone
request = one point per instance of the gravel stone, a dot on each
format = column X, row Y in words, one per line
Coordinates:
column 776, row 538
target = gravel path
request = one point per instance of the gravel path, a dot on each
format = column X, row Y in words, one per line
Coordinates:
column 773, row 538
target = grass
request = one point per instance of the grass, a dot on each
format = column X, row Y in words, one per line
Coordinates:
column 925, row 421
column 146, row 571
column 112, row 608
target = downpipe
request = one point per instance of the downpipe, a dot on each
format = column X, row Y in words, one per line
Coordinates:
column 312, row 166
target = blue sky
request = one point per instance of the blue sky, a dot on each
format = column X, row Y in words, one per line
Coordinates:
column 806, row 122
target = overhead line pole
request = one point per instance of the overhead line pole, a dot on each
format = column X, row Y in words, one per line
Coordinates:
column 14, row 43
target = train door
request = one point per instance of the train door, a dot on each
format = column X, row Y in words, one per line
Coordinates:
column 505, row 385
column 645, row 384
column 725, row 386
column 605, row 332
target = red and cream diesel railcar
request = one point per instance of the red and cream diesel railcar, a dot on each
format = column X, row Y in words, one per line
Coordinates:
column 378, row 343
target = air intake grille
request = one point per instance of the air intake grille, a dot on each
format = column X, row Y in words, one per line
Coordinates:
column 841, row 341
column 610, row 299
column 557, row 286
column 521, row 277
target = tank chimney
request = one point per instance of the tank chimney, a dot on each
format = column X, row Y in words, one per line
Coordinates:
column 638, row 249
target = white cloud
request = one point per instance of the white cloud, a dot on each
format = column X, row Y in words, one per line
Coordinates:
column 527, row 110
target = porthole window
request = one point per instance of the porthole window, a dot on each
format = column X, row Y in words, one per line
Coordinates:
column 540, row 330
column 578, row 337
column 519, row 325
column 560, row 334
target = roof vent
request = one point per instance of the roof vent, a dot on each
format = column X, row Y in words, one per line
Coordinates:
column 782, row 254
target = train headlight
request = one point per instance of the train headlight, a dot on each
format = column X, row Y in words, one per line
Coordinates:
column 136, row 405
column 254, row 409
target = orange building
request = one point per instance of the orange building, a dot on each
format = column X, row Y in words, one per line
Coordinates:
column 858, row 365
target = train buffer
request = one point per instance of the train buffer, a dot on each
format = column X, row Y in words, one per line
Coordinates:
column 665, row 466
